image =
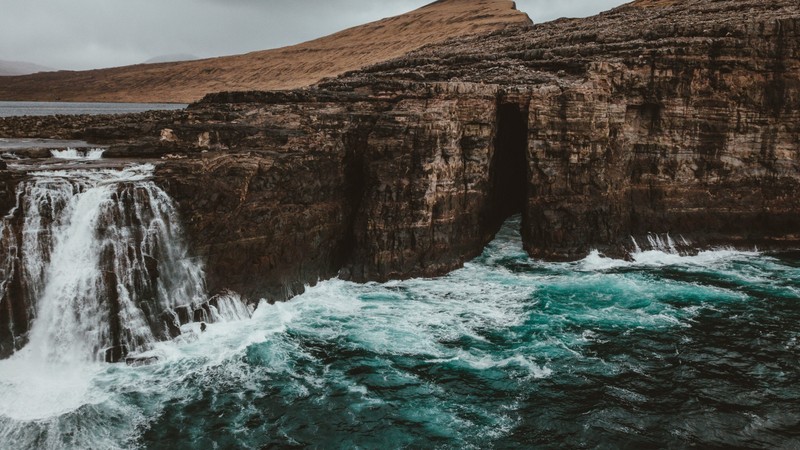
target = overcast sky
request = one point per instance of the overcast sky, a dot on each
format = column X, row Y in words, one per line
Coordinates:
column 87, row 34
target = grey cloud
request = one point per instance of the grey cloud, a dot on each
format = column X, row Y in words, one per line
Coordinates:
column 546, row 10
column 84, row 34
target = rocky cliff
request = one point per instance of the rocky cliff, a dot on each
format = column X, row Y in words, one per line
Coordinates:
column 676, row 118
column 679, row 118
column 284, row 189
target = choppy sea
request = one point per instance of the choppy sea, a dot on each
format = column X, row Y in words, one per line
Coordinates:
column 665, row 351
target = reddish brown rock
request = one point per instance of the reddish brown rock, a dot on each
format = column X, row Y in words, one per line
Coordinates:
column 380, row 186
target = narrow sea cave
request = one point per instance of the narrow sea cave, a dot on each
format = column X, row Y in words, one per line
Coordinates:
column 509, row 166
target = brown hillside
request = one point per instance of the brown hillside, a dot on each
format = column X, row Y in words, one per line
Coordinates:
column 655, row 3
column 283, row 68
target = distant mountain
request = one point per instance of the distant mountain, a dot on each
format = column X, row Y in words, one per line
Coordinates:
column 172, row 58
column 21, row 68
column 284, row 68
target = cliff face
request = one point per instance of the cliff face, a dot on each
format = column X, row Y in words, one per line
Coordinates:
column 697, row 136
column 707, row 151
column 373, row 186
column 673, row 118
column 656, row 117
column 678, row 117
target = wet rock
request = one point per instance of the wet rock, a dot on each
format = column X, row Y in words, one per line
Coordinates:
column 116, row 354
column 137, row 361
column 184, row 314
column 171, row 324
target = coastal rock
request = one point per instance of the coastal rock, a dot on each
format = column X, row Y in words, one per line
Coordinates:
column 167, row 135
column 673, row 118
column 668, row 117
column 319, row 190
column 100, row 129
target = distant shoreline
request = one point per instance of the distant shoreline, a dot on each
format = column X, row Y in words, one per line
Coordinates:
column 26, row 108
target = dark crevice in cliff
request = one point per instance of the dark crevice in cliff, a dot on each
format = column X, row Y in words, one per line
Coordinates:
column 355, row 184
column 15, row 314
column 775, row 89
column 509, row 174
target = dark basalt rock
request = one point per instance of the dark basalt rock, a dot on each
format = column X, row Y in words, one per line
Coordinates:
column 679, row 118
column 116, row 354
column 100, row 129
column 137, row 361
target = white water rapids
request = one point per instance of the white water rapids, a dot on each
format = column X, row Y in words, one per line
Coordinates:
column 71, row 153
column 101, row 258
column 100, row 265
column 97, row 259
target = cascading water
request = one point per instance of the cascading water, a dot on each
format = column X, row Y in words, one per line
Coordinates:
column 71, row 153
column 664, row 349
column 661, row 243
column 99, row 264
column 659, row 350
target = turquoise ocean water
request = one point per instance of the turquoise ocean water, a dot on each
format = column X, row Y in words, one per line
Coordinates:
column 665, row 351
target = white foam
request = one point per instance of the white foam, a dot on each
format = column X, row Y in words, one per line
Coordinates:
column 73, row 154
column 595, row 261
column 660, row 258
column 130, row 174
column 32, row 390
column 486, row 362
column 230, row 307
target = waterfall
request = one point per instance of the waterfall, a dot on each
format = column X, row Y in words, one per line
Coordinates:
column 71, row 153
column 663, row 243
column 99, row 266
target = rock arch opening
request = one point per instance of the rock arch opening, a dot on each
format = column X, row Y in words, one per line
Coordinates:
column 509, row 165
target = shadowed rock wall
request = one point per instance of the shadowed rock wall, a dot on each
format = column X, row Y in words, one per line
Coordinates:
column 375, row 187
column 701, row 141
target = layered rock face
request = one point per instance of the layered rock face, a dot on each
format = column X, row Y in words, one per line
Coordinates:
column 374, row 186
column 658, row 117
column 694, row 133
column 678, row 117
